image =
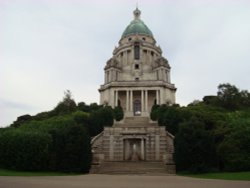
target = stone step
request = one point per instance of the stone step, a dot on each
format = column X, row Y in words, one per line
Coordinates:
column 136, row 125
column 132, row 168
column 136, row 120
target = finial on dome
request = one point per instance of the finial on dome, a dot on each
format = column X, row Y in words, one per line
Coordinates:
column 137, row 12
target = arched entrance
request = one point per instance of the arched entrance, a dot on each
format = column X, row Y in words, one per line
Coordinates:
column 134, row 149
column 137, row 107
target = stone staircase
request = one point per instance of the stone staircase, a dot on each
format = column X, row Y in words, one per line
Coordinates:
column 139, row 167
column 136, row 121
column 115, row 143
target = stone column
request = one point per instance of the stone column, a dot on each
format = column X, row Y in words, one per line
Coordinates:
column 116, row 98
column 108, row 76
column 162, row 95
column 127, row 100
column 131, row 100
column 157, row 97
column 142, row 149
column 146, row 100
column 112, row 98
column 162, row 74
column 147, row 58
column 142, row 101
column 124, row 58
column 111, row 76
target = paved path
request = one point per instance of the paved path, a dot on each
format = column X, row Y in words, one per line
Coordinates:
column 117, row 181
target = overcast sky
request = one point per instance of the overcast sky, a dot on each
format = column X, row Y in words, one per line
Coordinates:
column 49, row 46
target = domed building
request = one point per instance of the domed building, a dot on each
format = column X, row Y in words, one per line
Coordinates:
column 137, row 76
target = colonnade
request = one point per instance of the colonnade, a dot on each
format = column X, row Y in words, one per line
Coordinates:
column 144, row 99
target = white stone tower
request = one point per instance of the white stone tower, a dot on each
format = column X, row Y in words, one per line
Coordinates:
column 136, row 78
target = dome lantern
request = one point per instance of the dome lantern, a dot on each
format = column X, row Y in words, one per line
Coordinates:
column 137, row 26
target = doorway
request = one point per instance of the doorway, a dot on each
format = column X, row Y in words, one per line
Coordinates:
column 137, row 108
column 134, row 149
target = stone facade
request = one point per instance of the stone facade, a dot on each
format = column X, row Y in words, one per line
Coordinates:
column 136, row 78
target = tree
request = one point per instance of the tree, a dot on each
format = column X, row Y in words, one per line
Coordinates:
column 194, row 147
column 170, row 117
column 24, row 150
column 76, row 150
column 94, row 107
column 229, row 96
column 234, row 150
column 81, row 118
column 118, row 113
column 245, row 98
column 20, row 120
column 100, row 119
column 82, row 106
column 67, row 105
column 154, row 112
column 210, row 100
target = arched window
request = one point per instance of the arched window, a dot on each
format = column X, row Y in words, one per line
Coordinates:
column 137, row 107
column 119, row 102
column 137, row 51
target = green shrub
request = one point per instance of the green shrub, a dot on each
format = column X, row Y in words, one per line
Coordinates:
column 234, row 151
column 21, row 150
column 194, row 148
column 118, row 113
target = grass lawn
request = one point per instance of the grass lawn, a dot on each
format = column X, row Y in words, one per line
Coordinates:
column 222, row 175
column 4, row 172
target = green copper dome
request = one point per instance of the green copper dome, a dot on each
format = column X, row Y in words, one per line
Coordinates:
column 137, row 26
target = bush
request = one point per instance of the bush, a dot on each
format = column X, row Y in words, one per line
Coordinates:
column 154, row 112
column 194, row 148
column 60, row 143
column 81, row 117
column 20, row 120
column 71, row 150
column 234, row 151
column 21, row 150
column 118, row 113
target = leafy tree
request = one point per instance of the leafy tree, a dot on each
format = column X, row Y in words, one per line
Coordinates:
column 194, row 147
column 71, row 150
column 118, row 113
column 229, row 96
column 234, row 150
column 99, row 119
column 211, row 100
column 59, row 143
column 21, row 119
column 81, row 118
column 171, row 117
column 245, row 98
column 94, row 107
column 23, row 150
column 154, row 112
column 66, row 106
column 82, row 106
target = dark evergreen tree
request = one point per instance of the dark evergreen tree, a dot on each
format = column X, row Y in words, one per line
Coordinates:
column 118, row 113
column 194, row 148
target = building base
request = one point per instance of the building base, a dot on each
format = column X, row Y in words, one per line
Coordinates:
column 136, row 142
